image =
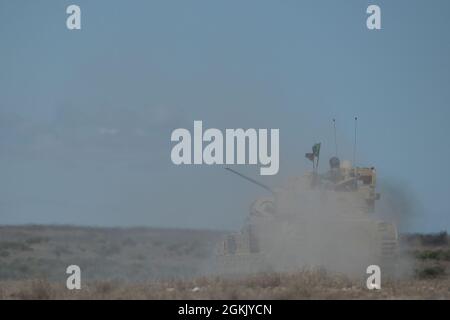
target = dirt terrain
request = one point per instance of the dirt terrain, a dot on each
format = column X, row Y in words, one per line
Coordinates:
column 148, row 263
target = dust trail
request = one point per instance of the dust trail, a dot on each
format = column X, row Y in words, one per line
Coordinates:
column 323, row 228
column 398, row 204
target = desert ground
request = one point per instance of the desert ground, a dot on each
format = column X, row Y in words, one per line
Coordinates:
column 150, row 263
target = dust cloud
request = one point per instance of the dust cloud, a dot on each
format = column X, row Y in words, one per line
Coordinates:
column 318, row 228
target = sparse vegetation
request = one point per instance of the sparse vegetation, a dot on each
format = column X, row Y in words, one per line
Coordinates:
column 430, row 272
column 60, row 250
column 145, row 263
column 129, row 242
column 109, row 249
column 306, row 284
column 14, row 246
column 36, row 240
column 432, row 239
column 438, row 254
column 31, row 252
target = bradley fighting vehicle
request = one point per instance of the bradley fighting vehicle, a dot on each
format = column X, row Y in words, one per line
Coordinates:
column 318, row 220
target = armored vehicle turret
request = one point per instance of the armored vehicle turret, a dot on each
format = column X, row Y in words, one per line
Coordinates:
column 317, row 220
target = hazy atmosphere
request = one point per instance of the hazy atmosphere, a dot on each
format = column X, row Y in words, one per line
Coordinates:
column 86, row 116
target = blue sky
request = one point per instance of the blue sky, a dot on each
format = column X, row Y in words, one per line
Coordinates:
column 86, row 116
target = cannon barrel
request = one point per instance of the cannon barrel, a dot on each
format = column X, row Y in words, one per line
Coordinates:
column 251, row 180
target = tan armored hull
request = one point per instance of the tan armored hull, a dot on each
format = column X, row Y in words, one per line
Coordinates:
column 316, row 221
